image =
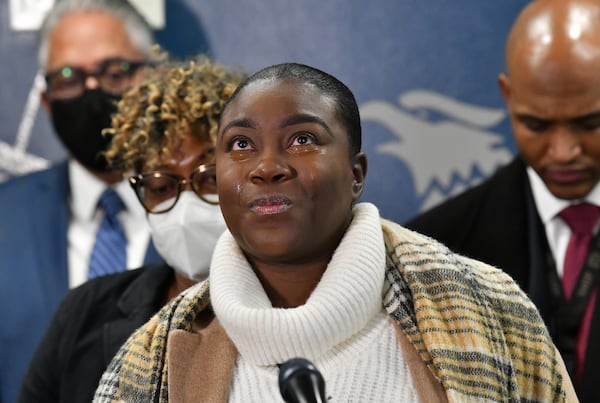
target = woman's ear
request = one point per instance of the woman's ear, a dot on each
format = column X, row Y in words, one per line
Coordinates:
column 359, row 172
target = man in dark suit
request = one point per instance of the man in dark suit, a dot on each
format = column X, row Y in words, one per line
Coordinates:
column 90, row 52
column 518, row 219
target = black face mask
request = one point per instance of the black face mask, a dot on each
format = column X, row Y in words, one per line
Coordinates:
column 79, row 123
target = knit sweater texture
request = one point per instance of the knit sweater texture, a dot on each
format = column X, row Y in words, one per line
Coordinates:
column 342, row 328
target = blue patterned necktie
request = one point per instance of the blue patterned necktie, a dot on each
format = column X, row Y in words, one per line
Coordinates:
column 109, row 254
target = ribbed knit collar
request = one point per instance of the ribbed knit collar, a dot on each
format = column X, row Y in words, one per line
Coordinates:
column 346, row 298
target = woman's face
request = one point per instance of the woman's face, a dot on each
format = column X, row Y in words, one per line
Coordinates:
column 285, row 177
column 190, row 154
column 155, row 192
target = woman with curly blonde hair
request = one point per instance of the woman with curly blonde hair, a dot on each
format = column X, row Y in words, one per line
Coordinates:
column 164, row 136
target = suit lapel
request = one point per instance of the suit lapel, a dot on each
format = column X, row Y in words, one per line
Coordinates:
column 116, row 332
column 142, row 299
column 501, row 225
column 49, row 219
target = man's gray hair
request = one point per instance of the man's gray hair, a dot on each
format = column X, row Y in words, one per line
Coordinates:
column 137, row 28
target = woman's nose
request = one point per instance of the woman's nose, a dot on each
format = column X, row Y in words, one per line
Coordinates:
column 270, row 169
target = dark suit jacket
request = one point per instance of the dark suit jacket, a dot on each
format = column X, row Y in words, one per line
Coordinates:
column 91, row 323
column 497, row 222
column 34, row 216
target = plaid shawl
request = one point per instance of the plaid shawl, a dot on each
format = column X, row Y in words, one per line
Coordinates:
column 470, row 323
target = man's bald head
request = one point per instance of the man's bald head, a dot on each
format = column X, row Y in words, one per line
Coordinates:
column 552, row 91
column 554, row 32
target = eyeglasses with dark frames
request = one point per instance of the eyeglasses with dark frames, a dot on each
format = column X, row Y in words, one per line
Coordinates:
column 159, row 192
column 113, row 75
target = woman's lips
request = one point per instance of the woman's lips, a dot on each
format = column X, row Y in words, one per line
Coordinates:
column 270, row 205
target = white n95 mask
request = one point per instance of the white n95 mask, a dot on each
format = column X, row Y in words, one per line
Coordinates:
column 186, row 235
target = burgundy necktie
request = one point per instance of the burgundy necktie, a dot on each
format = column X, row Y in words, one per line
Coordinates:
column 582, row 219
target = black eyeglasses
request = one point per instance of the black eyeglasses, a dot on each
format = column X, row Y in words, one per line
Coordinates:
column 158, row 192
column 114, row 76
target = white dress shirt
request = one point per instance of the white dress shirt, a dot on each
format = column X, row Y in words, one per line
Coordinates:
column 548, row 207
column 86, row 217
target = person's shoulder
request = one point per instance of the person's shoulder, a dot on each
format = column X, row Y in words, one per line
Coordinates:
column 471, row 199
column 411, row 246
column 446, row 216
column 112, row 286
column 22, row 185
column 104, row 296
column 33, row 196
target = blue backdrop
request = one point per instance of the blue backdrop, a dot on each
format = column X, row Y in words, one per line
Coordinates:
column 424, row 74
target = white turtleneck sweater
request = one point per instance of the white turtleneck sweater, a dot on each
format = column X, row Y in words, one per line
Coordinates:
column 342, row 328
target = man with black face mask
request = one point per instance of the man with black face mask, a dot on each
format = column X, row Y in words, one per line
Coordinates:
column 80, row 113
column 76, row 220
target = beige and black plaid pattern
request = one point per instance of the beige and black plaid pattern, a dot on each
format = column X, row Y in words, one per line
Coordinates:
column 471, row 324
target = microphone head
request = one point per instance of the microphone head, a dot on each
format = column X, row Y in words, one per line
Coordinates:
column 301, row 381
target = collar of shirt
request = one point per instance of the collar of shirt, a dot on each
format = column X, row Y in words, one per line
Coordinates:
column 86, row 217
column 548, row 205
column 86, row 190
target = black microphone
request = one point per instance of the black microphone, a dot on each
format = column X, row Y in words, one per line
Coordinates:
column 301, row 382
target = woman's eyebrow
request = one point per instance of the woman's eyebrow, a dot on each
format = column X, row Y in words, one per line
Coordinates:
column 244, row 122
column 305, row 118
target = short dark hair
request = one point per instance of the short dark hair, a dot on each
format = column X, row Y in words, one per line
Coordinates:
column 329, row 85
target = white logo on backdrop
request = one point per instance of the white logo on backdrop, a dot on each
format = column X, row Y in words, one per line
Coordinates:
column 14, row 160
column 442, row 154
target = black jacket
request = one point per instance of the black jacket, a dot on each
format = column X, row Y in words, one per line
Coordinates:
column 88, row 328
column 497, row 222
